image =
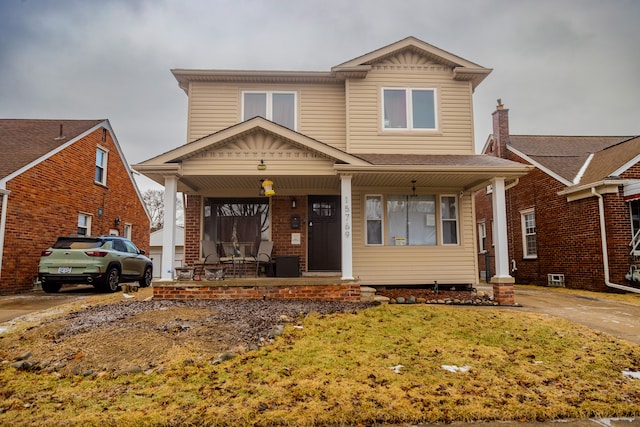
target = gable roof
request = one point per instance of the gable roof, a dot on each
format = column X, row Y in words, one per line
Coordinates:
column 570, row 159
column 23, row 141
column 462, row 69
column 354, row 68
column 256, row 124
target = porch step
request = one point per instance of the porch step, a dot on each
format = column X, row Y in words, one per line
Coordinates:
column 368, row 294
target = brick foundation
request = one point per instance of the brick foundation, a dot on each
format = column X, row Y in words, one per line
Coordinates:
column 504, row 293
column 257, row 289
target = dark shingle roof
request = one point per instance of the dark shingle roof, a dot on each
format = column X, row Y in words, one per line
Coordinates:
column 563, row 155
column 25, row 140
column 472, row 160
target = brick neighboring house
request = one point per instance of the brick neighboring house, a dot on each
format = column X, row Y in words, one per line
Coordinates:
column 554, row 214
column 372, row 162
column 61, row 177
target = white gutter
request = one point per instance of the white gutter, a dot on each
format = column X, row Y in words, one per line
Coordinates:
column 605, row 256
column 3, row 223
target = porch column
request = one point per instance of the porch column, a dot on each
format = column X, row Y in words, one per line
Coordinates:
column 347, row 230
column 169, row 228
column 503, row 289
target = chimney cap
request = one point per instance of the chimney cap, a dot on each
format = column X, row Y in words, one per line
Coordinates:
column 500, row 105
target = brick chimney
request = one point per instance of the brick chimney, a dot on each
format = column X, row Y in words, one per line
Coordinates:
column 500, row 130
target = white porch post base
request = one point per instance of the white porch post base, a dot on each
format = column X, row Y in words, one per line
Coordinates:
column 169, row 228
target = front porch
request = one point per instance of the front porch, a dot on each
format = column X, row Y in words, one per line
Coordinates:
column 326, row 288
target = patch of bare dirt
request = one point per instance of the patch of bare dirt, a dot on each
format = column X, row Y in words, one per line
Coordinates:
column 143, row 335
column 430, row 295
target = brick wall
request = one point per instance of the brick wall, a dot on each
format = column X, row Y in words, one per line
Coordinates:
column 45, row 201
column 327, row 292
column 567, row 233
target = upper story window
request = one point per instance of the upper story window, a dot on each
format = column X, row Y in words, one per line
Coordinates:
column 101, row 166
column 529, row 241
column 409, row 109
column 279, row 107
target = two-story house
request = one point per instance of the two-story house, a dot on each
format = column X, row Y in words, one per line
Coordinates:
column 61, row 177
column 369, row 168
column 574, row 221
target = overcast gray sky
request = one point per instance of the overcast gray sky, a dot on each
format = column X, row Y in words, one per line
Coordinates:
column 561, row 66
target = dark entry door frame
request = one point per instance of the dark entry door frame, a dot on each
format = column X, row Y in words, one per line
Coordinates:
column 324, row 225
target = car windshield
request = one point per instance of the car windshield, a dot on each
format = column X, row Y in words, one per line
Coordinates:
column 74, row 243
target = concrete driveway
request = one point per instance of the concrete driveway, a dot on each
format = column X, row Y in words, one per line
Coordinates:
column 12, row 306
column 615, row 318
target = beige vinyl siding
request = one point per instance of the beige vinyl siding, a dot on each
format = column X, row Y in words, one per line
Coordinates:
column 212, row 107
column 321, row 109
column 454, row 134
column 322, row 114
column 415, row 265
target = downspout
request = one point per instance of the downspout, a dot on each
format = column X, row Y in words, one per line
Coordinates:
column 3, row 223
column 603, row 239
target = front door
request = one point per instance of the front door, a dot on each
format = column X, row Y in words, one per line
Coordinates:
column 324, row 233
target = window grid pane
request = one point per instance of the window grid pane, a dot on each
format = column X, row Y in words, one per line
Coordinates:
column 255, row 105
column 373, row 212
column 100, row 165
column 411, row 220
column 530, row 241
column 395, row 109
column 423, row 109
column 449, row 216
column 283, row 111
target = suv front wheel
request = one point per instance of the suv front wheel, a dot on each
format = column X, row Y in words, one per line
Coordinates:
column 146, row 278
column 111, row 280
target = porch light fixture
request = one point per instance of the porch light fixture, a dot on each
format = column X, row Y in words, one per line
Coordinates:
column 261, row 165
column 116, row 222
column 413, row 188
column 293, row 203
column 267, row 185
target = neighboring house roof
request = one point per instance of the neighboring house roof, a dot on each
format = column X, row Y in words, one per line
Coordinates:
column 23, row 141
column 575, row 159
column 155, row 239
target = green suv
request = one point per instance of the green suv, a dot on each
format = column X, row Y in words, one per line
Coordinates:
column 103, row 262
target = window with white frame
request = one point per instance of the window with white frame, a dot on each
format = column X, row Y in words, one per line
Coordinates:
column 84, row 224
column 279, row 107
column 482, row 237
column 128, row 230
column 449, row 218
column 101, row 166
column 409, row 109
column 411, row 220
column 529, row 243
column 373, row 219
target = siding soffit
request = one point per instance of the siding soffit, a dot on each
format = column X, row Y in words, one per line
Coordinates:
column 407, row 53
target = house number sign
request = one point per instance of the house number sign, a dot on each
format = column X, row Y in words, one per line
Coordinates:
column 347, row 217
